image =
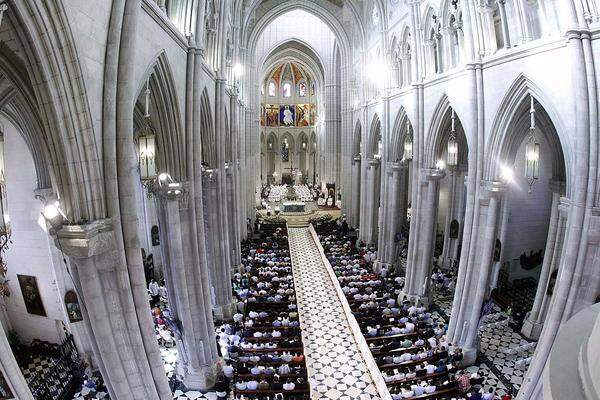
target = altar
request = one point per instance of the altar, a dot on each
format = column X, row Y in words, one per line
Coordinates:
column 294, row 207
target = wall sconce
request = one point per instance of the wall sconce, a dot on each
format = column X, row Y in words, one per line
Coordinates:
column 506, row 174
column 440, row 164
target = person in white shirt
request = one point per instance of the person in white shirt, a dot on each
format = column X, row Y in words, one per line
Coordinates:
column 289, row 385
column 489, row 395
column 429, row 389
column 154, row 291
column 430, row 368
column 432, row 342
column 228, row 371
column 252, row 385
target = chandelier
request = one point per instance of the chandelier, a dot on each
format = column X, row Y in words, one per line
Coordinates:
column 408, row 143
column 5, row 232
column 532, row 152
column 452, row 144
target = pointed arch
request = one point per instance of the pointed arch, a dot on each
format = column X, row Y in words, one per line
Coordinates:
column 395, row 149
column 374, row 137
column 512, row 115
column 357, row 139
column 165, row 116
column 207, row 132
column 73, row 158
column 438, row 133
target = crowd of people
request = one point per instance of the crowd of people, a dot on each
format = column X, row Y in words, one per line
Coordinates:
column 265, row 354
column 304, row 193
column 407, row 343
column 276, row 193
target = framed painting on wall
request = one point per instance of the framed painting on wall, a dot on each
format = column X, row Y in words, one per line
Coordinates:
column 73, row 308
column 287, row 115
column 272, row 115
column 303, row 115
column 31, row 295
column 313, row 114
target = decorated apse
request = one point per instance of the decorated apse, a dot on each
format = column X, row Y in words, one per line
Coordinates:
column 288, row 116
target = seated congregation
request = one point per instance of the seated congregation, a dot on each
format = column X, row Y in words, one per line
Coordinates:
column 406, row 340
column 263, row 345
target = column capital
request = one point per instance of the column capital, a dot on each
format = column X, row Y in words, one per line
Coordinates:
column 356, row 159
column 395, row 166
column 493, row 188
column 209, row 174
column 564, row 206
column 432, row 174
column 84, row 241
column 373, row 162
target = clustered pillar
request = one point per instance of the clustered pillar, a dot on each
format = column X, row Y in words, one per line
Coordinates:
column 368, row 224
column 220, row 269
column 393, row 213
column 534, row 321
column 472, row 284
column 189, row 299
column 422, row 241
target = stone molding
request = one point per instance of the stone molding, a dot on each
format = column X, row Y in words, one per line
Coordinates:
column 84, row 241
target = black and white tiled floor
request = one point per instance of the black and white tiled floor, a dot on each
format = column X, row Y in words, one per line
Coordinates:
column 40, row 370
column 494, row 343
column 336, row 368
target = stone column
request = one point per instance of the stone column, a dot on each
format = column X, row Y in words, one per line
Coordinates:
column 472, row 298
column 504, row 22
column 233, row 213
column 11, row 371
column 390, row 221
column 220, row 272
column 188, row 297
column 487, row 22
column 452, row 186
column 368, row 224
column 417, row 287
column 524, row 28
column 109, row 311
column 355, row 198
column 534, row 321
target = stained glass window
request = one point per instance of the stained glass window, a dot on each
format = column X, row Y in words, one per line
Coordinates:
column 287, row 90
column 272, row 89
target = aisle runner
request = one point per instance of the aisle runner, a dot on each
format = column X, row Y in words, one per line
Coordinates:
column 336, row 368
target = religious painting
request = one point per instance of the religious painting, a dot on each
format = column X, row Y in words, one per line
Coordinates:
column 73, row 308
column 31, row 295
column 302, row 89
column 5, row 392
column 313, row 114
column 552, row 282
column 287, row 115
column 454, row 226
column 497, row 250
column 155, row 235
column 272, row 89
column 303, row 115
column 272, row 115
column 262, row 116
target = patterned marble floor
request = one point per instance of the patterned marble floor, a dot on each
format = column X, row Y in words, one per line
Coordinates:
column 336, row 368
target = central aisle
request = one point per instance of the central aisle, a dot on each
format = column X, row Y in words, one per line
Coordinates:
column 336, row 368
